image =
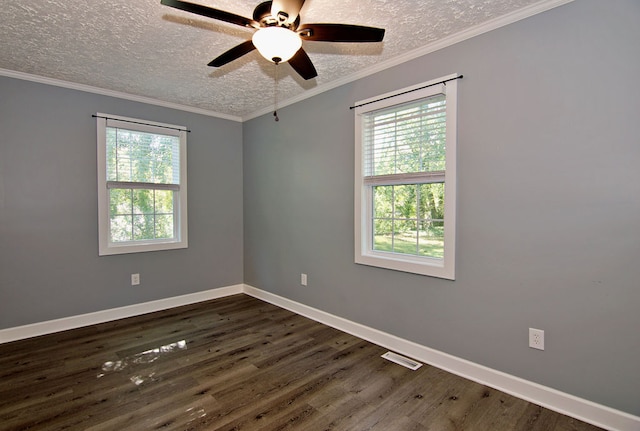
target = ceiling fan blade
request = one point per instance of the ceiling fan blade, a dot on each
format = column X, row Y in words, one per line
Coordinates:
column 340, row 33
column 302, row 64
column 286, row 11
column 234, row 53
column 211, row 13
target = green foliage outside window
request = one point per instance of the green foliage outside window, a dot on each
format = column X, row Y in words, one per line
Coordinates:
column 409, row 219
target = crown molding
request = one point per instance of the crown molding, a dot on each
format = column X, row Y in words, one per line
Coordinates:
column 471, row 32
column 111, row 93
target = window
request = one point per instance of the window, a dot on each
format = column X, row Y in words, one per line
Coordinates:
column 405, row 180
column 142, row 185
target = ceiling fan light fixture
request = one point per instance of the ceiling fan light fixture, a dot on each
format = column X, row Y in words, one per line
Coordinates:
column 276, row 44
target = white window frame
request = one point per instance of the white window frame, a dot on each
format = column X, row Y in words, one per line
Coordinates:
column 105, row 245
column 364, row 252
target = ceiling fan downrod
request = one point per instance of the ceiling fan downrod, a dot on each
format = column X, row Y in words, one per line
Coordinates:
column 275, row 90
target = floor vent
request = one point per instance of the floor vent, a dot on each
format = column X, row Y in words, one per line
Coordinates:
column 401, row 360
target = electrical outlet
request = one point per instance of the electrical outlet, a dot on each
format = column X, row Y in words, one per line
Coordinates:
column 303, row 279
column 135, row 279
column 536, row 338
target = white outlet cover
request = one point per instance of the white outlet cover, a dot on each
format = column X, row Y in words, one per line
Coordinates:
column 536, row 338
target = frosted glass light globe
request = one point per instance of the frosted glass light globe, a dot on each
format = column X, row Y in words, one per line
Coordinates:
column 276, row 44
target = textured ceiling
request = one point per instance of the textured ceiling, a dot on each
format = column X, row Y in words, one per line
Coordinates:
column 145, row 49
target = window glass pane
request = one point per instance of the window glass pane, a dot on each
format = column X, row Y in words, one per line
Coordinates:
column 164, row 226
column 143, row 227
column 121, row 228
column 383, row 202
column 141, row 214
column 431, row 209
column 143, row 201
column 409, row 219
column 383, row 218
column 119, row 202
column 164, row 202
column 404, row 237
column 382, row 237
column 431, row 240
column 431, row 199
column 405, row 201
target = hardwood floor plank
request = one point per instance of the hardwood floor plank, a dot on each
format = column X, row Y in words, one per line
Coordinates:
column 238, row 363
column 184, row 402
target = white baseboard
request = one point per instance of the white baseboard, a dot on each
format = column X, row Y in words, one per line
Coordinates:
column 73, row 322
column 579, row 408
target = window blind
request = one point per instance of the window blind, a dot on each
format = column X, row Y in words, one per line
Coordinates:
column 405, row 144
column 142, row 159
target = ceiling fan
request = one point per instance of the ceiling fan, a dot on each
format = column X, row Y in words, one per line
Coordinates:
column 279, row 34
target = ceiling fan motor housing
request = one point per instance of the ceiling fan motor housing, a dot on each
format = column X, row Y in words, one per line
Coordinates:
column 262, row 14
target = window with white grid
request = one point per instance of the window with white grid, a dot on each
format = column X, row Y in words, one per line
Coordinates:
column 405, row 181
column 142, row 190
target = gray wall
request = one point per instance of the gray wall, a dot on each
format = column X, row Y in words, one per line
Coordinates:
column 549, row 204
column 49, row 264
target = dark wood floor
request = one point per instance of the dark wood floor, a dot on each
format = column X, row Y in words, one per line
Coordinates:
column 238, row 363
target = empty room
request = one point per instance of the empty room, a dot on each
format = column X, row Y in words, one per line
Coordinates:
column 320, row 215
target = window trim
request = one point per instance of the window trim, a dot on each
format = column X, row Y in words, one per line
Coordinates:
column 105, row 246
column 364, row 253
